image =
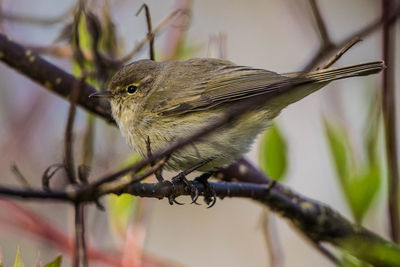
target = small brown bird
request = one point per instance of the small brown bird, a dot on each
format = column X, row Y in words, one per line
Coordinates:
column 165, row 100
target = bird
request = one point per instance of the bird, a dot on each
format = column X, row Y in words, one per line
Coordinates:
column 165, row 101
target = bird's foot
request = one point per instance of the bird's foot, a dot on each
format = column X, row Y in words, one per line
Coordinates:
column 210, row 197
column 194, row 192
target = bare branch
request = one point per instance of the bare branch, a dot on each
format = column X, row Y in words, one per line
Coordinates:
column 340, row 53
column 389, row 118
column 150, row 35
column 68, row 145
column 325, row 40
column 80, row 257
column 149, row 29
column 50, row 76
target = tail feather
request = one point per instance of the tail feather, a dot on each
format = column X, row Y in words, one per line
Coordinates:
column 331, row 74
column 313, row 81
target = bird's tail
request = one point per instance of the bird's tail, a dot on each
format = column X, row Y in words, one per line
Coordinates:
column 307, row 83
column 331, row 74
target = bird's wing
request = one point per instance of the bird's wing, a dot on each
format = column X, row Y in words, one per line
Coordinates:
column 206, row 87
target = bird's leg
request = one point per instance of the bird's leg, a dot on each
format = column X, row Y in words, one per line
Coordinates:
column 181, row 177
column 210, row 197
column 158, row 172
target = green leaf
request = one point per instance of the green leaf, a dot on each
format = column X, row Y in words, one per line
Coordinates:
column 18, row 260
column 360, row 185
column 120, row 211
column 272, row 154
column 108, row 41
column 338, row 144
column 362, row 189
column 55, row 263
column 85, row 44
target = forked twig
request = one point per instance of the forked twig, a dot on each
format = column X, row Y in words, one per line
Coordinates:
column 340, row 53
column 150, row 35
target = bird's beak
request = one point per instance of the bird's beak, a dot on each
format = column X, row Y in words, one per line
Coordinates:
column 105, row 94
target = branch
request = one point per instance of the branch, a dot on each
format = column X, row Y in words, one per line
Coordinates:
column 325, row 40
column 149, row 29
column 50, row 76
column 389, row 118
column 319, row 221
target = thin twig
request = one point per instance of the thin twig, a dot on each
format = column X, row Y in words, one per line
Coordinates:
column 325, row 40
column 69, row 138
column 370, row 28
column 88, row 139
column 156, row 30
column 80, row 253
column 21, row 178
column 323, row 250
column 149, row 29
column 389, row 117
column 340, row 53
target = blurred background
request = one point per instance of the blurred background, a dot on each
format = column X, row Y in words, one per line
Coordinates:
column 270, row 34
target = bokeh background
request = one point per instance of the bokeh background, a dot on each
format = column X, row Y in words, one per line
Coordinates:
column 272, row 34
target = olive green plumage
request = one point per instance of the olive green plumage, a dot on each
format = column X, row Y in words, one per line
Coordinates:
column 166, row 100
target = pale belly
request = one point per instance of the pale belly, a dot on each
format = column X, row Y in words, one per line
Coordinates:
column 222, row 147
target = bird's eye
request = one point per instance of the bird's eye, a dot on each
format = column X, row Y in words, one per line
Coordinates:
column 132, row 89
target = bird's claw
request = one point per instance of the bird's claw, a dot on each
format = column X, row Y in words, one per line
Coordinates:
column 210, row 196
column 172, row 200
column 194, row 192
column 194, row 197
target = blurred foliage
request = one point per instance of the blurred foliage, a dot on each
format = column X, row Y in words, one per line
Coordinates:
column 272, row 153
column 359, row 182
column 19, row 263
column 18, row 260
column 55, row 263
column 90, row 36
column 120, row 209
column 369, row 249
column 350, row 261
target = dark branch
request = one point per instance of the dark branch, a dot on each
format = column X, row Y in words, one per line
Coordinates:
column 389, row 118
column 319, row 221
column 50, row 76
column 149, row 30
column 80, row 257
